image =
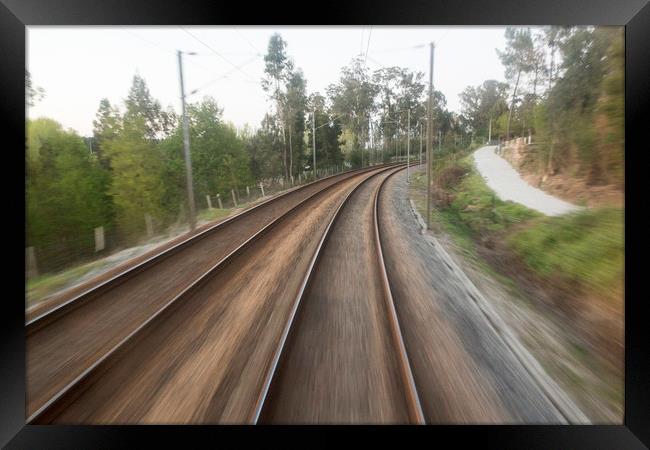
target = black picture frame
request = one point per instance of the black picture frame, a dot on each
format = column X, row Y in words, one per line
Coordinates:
column 15, row 15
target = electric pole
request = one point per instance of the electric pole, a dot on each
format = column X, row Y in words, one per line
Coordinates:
column 420, row 133
column 490, row 130
column 408, row 147
column 313, row 137
column 186, row 150
column 429, row 136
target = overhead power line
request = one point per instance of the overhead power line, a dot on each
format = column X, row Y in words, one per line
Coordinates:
column 221, row 77
column 216, row 53
column 161, row 48
column 247, row 40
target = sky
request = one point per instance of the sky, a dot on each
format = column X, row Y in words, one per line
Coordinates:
column 78, row 66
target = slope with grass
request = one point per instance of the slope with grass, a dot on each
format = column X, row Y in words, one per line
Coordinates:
column 569, row 268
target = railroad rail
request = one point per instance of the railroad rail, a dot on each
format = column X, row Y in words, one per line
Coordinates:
column 288, row 362
column 73, row 389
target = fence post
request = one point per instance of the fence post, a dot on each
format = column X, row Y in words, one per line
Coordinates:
column 234, row 199
column 147, row 219
column 99, row 239
column 262, row 189
column 248, row 192
column 219, row 201
column 291, row 180
column 209, row 201
column 299, row 179
column 32, row 268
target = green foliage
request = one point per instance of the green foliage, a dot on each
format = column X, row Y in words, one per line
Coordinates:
column 476, row 207
column 585, row 247
column 482, row 103
column 66, row 192
column 137, row 187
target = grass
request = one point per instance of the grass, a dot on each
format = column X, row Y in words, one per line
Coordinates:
column 214, row 214
column 585, row 247
column 46, row 284
column 43, row 285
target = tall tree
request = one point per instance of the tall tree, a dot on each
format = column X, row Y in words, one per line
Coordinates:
column 33, row 94
column 66, row 194
column 140, row 105
column 106, row 127
column 353, row 99
column 296, row 109
column 517, row 59
column 278, row 68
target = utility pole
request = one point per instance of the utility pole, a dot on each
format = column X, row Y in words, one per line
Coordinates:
column 408, row 147
column 186, row 150
column 420, row 133
column 429, row 135
column 313, row 137
column 490, row 130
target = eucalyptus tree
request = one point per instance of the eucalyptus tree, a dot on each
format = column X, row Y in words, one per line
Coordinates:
column 296, row 109
column 482, row 104
column 278, row 70
column 518, row 59
column 353, row 99
column 327, row 128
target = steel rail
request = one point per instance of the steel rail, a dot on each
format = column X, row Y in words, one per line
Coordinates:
column 415, row 410
column 57, row 403
column 95, row 291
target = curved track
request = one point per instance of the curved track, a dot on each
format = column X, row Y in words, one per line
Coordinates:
column 343, row 359
column 194, row 358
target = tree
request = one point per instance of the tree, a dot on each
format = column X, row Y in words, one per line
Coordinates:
column 66, row 194
column 33, row 94
column 141, row 106
column 328, row 130
column 296, row 109
column 482, row 104
column 399, row 90
column 517, row 59
column 278, row 68
column 106, row 127
column 353, row 99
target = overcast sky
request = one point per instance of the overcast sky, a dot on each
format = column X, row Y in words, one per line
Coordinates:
column 77, row 66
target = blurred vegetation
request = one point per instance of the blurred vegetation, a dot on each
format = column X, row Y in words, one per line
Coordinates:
column 586, row 248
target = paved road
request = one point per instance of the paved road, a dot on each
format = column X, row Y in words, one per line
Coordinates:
column 503, row 179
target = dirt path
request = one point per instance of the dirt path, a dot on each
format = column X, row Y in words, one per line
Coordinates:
column 506, row 182
column 464, row 371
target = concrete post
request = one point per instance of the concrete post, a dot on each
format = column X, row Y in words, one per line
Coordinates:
column 248, row 192
column 207, row 197
column 147, row 219
column 262, row 189
column 219, row 201
column 99, row 239
column 234, row 199
column 30, row 257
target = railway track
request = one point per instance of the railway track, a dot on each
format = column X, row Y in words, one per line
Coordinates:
column 220, row 325
column 341, row 358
